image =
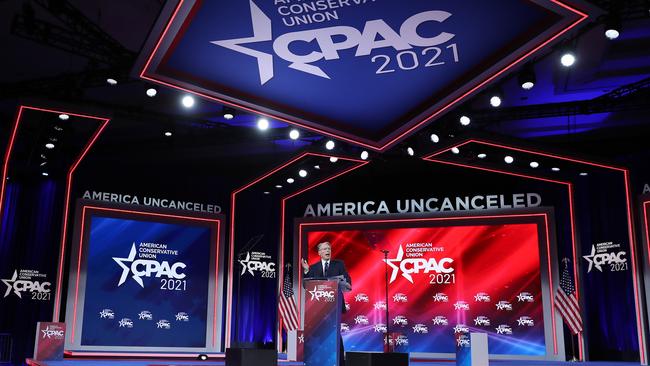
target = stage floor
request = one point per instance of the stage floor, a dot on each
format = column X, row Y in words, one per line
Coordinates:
column 221, row 362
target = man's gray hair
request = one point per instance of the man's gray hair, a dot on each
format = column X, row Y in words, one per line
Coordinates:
column 320, row 245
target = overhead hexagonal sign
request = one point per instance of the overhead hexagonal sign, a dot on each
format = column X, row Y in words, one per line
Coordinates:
column 364, row 71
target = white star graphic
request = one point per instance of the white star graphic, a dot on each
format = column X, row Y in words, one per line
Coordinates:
column 301, row 338
column 261, row 32
column 590, row 259
column 398, row 259
column 244, row 264
column 9, row 284
column 125, row 268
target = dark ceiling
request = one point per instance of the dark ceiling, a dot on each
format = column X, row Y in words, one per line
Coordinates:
column 62, row 52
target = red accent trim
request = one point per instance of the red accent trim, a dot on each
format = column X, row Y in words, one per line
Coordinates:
column 139, row 355
column 232, row 228
column 378, row 146
column 57, row 295
column 426, row 219
column 143, row 213
column 647, row 230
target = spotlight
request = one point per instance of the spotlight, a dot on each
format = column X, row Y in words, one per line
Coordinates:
column 364, row 155
column 278, row 186
column 316, row 166
column 334, row 159
column 290, row 180
column 329, row 145
column 527, row 78
column 410, row 151
column 302, row 173
column 49, row 145
column 204, row 357
column 481, row 156
column 434, row 138
column 464, row 120
column 111, row 81
column 44, row 174
column 555, row 169
column 188, row 101
column 228, row 113
column 612, row 27
column 534, row 164
column 64, row 117
column 496, row 98
column 294, row 134
column 455, row 150
column 168, row 133
column 263, row 124
column 584, row 174
column 151, row 92
column 508, row 159
column 267, row 192
column 568, row 58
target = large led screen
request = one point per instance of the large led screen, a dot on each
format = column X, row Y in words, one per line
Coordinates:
column 446, row 276
column 144, row 281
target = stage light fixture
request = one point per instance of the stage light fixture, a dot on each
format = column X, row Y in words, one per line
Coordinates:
column 410, row 151
column 481, row 156
column 302, row 173
column 455, row 150
column 111, row 81
column 316, row 166
column 435, row 138
column 508, row 159
column 329, row 145
column 612, row 27
column 584, row 174
column 64, row 117
column 496, row 98
column 294, row 134
column 534, row 164
column 464, row 120
column 334, row 159
column 203, row 357
column 263, row 124
column 151, row 92
column 44, row 174
column 188, row 101
column 49, row 145
column 228, row 113
column 364, row 155
column 555, row 169
column 290, row 180
column 43, row 163
column 568, row 57
column 267, row 192
column 527, row 78
column 168, row 133
column 278, row 186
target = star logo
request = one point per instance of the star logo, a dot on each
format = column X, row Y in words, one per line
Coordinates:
column 244, row 264
column 126, row 269
column 48, row 333
column 301, row 338
column 398, row 259
column 590, row 260
column 262, row 32
column 10, row 285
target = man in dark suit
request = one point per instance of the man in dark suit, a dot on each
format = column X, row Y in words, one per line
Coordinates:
column 328, row 267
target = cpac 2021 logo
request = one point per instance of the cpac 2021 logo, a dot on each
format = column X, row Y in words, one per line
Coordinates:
column 329, row 41
column 24, row 282
column 416, row 265
column 53, row 331
column 257, row 262
column 319, row 293
column 616, row 260
column 147, row 268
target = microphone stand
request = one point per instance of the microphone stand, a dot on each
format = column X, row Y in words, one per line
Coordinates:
column 387, row 318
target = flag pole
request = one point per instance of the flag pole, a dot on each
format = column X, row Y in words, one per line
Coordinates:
column 573, row 349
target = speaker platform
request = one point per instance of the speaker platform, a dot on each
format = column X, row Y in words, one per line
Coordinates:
column 376, row 359
column 251, row 357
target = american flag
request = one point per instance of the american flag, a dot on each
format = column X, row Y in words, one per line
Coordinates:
column 566, row 302
column 287, row 304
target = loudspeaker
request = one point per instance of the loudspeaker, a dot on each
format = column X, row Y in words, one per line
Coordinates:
column 376, row 359
column 251, row 357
